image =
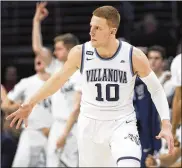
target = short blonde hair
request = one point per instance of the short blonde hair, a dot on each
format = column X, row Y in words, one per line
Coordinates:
column 109, row 13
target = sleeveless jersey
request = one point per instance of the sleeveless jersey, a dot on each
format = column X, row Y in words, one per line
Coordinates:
column 107, row 83
column 41, row 114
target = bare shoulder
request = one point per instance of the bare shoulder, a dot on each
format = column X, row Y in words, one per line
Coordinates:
column 140, row 62
column 75, row 55
column 138, row 54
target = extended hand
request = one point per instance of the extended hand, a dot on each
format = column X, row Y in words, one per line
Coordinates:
column 20, row 115
column 167, row 135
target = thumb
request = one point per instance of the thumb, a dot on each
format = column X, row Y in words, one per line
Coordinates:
column 158, row 136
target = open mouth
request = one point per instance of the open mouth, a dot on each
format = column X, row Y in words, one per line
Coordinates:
column 39, row 63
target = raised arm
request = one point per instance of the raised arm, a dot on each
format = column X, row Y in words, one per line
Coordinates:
column 142, row 68
column 38, row 48
column 50, row 87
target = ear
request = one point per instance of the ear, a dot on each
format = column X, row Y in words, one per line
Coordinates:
column 113, row 31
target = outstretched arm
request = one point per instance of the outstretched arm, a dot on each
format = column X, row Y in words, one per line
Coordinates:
column 38, row 48
column 50, row 87
column 142, row 69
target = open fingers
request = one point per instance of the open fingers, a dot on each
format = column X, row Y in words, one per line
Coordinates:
column 11, row 116
column 19, row 123
column 13, row 121
column 43, row 4
column 26, row 122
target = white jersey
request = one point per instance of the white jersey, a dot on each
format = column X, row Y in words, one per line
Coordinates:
column 163, row 76
column 41, row 115
column 63, row 99
column 176, row 71
column 54, row 66
column 107, row 83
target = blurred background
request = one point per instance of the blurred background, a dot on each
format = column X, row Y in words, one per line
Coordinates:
column 143, row 24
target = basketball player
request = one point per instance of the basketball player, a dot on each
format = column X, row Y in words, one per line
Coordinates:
column 63, row 99
column 33, row 139
column 107, row 132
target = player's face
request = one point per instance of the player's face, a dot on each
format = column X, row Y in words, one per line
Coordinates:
column 155, row 60
column 60, row 51
column 39, row 64
column 99, row 31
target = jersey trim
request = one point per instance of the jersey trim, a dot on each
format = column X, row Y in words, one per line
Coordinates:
column 131, row 62
column 82, row 58
column 115, row 54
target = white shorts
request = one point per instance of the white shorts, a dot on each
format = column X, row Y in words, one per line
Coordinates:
column 66, row 157
column 106, row 143
column 31, row 149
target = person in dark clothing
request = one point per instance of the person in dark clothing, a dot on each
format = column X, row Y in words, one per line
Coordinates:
column 151, row 33
column 147, row 120
column 8, row 148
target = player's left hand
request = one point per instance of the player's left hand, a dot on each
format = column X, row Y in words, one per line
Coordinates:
column 166, row 133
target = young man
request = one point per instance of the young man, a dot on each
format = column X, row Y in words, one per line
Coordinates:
column 31, row 151
column 107, row 132
column 62, row 100
column 156, row 55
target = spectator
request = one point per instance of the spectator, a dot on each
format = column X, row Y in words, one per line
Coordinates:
column 151, row 33
column 156, row 55
column 10, row 77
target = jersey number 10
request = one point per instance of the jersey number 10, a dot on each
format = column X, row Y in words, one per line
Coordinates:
column 108, row 92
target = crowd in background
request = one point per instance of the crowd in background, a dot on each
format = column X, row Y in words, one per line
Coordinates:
column 161, row 47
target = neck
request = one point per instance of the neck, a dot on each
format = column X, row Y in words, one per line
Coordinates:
column 43, row 75
column 159, row 73
column 109, row 49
